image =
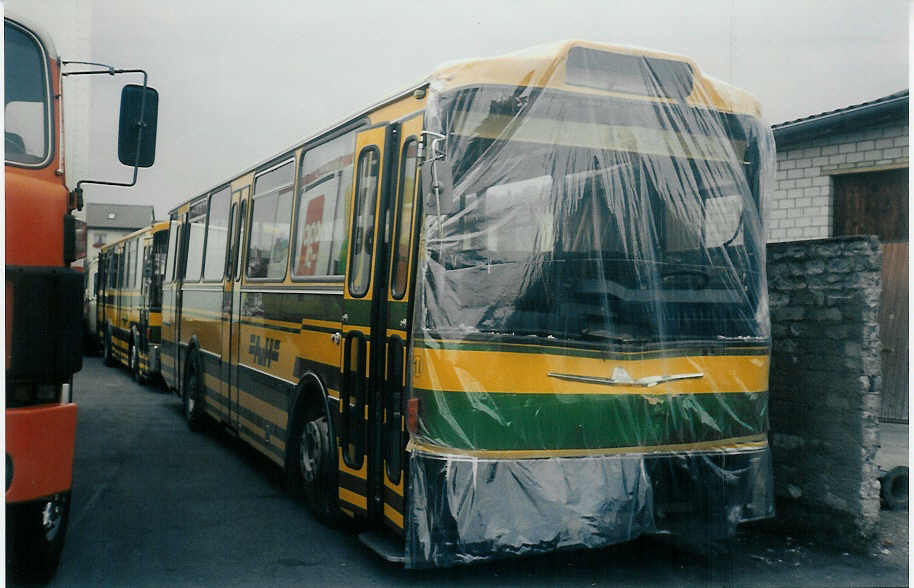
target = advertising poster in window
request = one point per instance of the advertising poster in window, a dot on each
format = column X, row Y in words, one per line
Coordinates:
column 310, row 239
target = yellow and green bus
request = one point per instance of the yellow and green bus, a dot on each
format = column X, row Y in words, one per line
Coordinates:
column 128, row 300
column 518, row 307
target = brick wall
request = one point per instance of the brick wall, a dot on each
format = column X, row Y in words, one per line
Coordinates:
column 825, row 386
column 802, row 204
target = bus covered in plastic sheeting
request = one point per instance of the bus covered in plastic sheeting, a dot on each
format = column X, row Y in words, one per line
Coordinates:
column 590, row 338
column 518, row 307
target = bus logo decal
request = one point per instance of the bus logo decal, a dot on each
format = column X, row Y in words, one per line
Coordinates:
column 264, row 354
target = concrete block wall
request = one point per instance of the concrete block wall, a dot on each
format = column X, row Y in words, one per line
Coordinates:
column 802, row 204
column 825, row 386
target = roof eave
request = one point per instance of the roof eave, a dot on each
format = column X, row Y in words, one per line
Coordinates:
column 843, row 121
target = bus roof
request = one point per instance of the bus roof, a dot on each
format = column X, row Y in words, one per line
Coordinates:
column 155, row 227
column 546, row 66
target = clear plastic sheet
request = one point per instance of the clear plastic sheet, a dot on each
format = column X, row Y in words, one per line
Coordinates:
column 591, row 335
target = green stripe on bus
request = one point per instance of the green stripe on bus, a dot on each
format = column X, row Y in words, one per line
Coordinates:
column 508, row 422
column 540, row 345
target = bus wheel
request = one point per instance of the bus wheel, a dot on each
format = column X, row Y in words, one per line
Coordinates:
column 193, row 400
column 135, row 362
column 312, row 466
column 107, row 356
column 35, row 535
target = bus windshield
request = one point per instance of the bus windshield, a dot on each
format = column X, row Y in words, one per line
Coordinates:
column 26, row 106
column 616, row 224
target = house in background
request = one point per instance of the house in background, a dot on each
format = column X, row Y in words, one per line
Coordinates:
column 106, row 223
column 845, row 172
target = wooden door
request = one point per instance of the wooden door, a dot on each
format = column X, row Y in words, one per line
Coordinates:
column 876, row 203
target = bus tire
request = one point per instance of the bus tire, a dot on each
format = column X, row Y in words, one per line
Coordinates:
column 310, row 464
column 135, row 371
column 108, row 355
column 35, row 536
column 191, row 393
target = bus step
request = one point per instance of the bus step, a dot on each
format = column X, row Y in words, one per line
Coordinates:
column 389, row 548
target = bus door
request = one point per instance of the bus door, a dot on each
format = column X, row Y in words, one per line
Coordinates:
column 232, row 301
column 397, row 318
column 174, row 315
column 101, row 293
column 360, row 417
column 169, row 286
column 123, row 283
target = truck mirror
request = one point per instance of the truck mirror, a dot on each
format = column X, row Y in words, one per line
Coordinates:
column 139, row 112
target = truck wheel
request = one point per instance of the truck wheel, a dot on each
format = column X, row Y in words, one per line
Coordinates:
column 35, row 535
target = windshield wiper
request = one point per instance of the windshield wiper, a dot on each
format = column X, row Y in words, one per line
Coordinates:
column 605, row 335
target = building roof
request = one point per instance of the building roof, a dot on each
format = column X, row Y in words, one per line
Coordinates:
column 118, row 216
column 885, row 109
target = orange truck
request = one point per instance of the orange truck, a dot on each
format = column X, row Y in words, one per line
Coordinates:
column 43, row 317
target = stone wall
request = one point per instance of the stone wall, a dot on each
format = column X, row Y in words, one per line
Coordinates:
column 801, row 207
column 825, row 386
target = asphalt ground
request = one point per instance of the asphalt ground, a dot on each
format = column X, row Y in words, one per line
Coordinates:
column 157, row 505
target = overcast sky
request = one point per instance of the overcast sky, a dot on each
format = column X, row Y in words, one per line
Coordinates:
column 240, row 81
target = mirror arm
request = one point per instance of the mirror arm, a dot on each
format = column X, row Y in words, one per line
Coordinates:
column 77, row 194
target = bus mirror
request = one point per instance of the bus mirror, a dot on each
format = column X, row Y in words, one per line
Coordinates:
column 136, row 138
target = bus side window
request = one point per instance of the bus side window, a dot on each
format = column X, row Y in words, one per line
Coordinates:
column 366, row 190
column 239, row 246
column 217, row 235
column 231, row 247
column 119, row 263
column 137, row 278
column 193, row 265
column 170, row 258
column 325, row 179
column 112, row 270
column 127, row 264
column 403, row 227
column 145, row 272
column 271, row 219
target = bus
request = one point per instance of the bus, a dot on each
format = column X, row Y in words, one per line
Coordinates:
column 128, row 291
column 44, row 297
column 91, row 336
column 519, row 307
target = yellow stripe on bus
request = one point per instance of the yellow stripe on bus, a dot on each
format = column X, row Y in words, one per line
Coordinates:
column 321, row 324
column 214, row 385
column 360, row 473
column 353, row 498
column 528, row 373
column 394, row 516
column 396, row 489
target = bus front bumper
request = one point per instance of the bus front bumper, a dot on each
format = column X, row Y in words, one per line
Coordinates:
column 464, row 509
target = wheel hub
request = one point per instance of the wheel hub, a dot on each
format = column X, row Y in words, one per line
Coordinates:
column 52, row 516
column 312, row 451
